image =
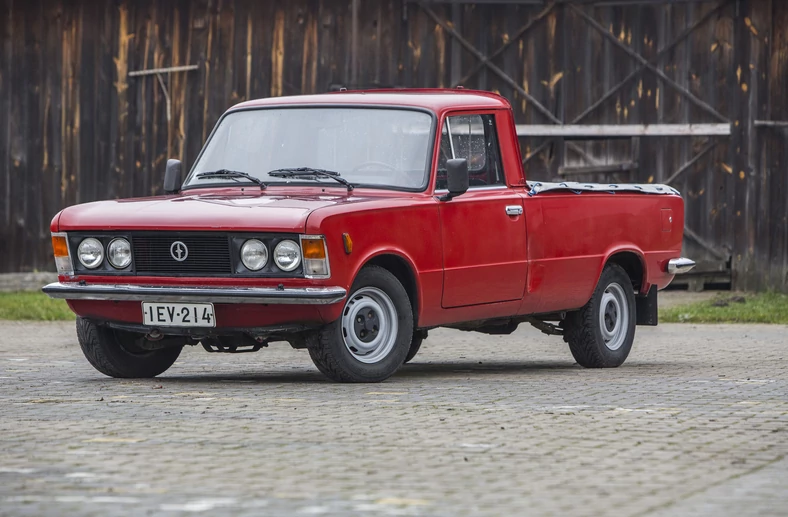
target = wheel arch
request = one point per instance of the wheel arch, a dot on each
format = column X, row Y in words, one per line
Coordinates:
column 633, row 262
column 403, row 269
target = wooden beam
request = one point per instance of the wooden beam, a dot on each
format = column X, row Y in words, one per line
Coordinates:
column 590, row 131
column 770, row 123
column 152, row 71
column 598, row 169
column 701, row 154
column 538, row 150
column 708, row 247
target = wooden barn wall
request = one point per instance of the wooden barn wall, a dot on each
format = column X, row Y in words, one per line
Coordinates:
column 77, row 128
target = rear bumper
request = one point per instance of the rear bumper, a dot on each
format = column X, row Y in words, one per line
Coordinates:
column 228, row 295
column 681, row 265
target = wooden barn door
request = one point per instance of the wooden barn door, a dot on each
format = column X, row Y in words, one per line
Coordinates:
column 637, row 92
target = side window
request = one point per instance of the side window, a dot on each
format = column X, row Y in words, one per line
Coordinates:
column 474, row 138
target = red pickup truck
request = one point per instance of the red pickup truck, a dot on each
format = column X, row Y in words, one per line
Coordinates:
column 352, row 223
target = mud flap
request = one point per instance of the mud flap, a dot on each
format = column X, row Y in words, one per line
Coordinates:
column 646, row 307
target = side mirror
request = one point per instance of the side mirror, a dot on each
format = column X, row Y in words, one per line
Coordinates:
column 456, row 178
column 172, row 177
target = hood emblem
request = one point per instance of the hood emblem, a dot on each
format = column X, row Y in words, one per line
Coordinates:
column 179, row 251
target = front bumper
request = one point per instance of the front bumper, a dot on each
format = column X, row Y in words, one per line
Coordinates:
column 231, row 295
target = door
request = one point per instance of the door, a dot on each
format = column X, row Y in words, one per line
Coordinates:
column 483, row 230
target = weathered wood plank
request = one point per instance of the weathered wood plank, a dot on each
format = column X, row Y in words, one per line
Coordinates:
column 583, row 131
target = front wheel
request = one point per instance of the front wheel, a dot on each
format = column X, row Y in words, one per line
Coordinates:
column 600, row 335
column 370, row 340
column 117, row 353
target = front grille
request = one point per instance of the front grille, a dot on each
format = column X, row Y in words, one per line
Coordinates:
column 207, row 254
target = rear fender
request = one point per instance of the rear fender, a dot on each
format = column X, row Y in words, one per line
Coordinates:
column 627, row 248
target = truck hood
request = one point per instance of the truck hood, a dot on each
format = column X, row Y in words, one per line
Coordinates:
column 201, row 211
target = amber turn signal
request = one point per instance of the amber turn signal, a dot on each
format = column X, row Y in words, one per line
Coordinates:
column 313, row 248
column 348, row 242
column 59, row 246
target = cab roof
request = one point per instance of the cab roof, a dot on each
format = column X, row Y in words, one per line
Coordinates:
column 433, row 99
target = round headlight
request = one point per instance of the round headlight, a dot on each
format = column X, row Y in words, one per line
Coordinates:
column 254, row 255
column 119, row 253
column 90, row 253
column 287, row 255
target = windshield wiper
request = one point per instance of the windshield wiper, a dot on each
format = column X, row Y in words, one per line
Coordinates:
column 309, row 172
column 226, row 173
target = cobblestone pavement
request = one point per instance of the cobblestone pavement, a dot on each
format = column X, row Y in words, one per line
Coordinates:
column 696, row 422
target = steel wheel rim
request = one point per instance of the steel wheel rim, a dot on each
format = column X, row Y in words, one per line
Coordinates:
column 614, row 316
column 369, row 325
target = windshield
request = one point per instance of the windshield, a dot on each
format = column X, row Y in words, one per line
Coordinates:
column 367, row 146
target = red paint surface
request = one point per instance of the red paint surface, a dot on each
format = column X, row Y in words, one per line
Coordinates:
column 470, row 260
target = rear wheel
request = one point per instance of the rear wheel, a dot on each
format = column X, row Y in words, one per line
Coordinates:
column 117, row 353
column 370, row 340
column 600, row 335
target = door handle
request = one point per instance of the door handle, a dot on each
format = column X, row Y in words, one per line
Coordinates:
column 514, row 210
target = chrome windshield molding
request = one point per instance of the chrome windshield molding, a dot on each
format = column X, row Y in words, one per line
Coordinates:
column 681, row 265
column 145, row 293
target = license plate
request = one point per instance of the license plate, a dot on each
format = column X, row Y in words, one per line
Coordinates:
column 178, row 314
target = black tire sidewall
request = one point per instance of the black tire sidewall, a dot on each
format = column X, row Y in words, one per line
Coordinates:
column 415, row 345
column 351, row 368
column 614, row 274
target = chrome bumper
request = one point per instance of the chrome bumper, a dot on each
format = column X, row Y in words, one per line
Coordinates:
column 681, row 265
column 144, row 293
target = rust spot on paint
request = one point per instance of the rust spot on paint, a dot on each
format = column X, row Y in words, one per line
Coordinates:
column 741, row 175
column 727, row 167
column 744, row 87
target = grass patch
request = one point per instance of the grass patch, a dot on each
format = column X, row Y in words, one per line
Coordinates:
column 731, row 308
column 33, row 305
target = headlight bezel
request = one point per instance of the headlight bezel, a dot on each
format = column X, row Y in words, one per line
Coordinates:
column 102, row 253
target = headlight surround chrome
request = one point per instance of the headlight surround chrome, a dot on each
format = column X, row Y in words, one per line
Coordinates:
column 90, row 253
column 287, row 255
column 119, row 253
column 254, row 255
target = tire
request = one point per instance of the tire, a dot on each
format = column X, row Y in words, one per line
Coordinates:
column 115, row 354
column 372, row 349
column 600, row 335
column 415, row 344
